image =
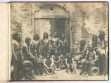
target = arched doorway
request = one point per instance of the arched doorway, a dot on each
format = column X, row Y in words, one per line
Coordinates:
column 52, row 18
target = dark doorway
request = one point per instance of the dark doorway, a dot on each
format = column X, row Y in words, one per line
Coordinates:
column 58, row 25
column 52, row 25
column 61, row 26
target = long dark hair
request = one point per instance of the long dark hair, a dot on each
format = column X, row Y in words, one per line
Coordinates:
column 102, row 35
column 45, row 35
column 36, row 37
column 82, row 45
column 27, row 41
column 94, row 41
column 16, row 36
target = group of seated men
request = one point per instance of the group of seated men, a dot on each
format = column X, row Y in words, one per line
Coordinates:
column 44, row 56
column 92, row 59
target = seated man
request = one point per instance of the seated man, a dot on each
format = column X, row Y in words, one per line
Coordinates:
column 63, row 62
column 49, row 65
column 81, row 53
column 70, row 64
column 64, row 48
column 26, row 49
column 30, row 54
column 94, row 41
column 89, row 62
column 28, row 70
column 41, row 63
column 101, row 62
column 56, row 59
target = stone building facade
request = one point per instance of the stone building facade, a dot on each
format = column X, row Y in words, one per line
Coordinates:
column 79, row 21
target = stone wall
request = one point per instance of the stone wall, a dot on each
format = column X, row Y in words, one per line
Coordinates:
column 86, row 19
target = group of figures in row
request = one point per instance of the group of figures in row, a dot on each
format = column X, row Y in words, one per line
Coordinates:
column 44, row 57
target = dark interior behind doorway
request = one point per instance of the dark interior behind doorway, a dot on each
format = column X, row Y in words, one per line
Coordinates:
column 58, row 25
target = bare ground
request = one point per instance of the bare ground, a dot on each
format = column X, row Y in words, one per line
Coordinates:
column 62, row 75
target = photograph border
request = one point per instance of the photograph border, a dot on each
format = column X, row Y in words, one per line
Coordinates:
column 28, row 1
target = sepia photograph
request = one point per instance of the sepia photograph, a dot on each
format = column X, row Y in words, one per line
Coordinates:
column 59, row 41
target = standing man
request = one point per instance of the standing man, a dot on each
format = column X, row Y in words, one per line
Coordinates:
column 103, row 58
column 17, row 57
column 102, row 42
column 45, row 45
column 54, row 44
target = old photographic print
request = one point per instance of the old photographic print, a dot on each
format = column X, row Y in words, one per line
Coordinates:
column 59, row 41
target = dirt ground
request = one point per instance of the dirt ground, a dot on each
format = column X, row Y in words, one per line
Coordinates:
column 62, row 75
